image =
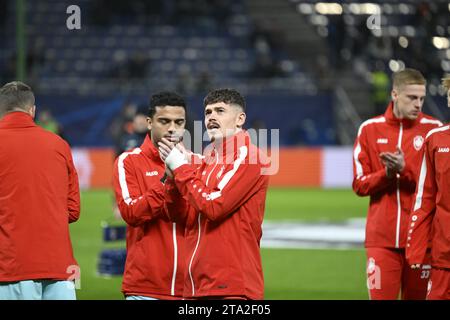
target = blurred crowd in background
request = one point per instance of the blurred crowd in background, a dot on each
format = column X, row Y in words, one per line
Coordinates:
column 296, row 52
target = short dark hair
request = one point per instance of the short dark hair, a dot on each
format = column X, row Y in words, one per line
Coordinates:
column 228, row 96
column 165, row 98
column 16, row 95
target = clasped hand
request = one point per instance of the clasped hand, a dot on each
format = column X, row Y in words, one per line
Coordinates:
column 393, row 161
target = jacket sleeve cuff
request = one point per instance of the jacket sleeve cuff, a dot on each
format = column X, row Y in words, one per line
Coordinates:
column 175, row 159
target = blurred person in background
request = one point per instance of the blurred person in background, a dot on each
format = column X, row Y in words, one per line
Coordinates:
column 380, row 87
column 122, row 125
column 136, row 137
column 221, row 199
column 46, row 120
column 154, row 267
column 131, row 140
column 430, row 218
column 39, row 197
column 386, row 165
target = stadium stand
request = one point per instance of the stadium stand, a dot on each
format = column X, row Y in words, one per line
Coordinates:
column 285, row 49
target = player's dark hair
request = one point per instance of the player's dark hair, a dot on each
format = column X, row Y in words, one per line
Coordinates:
column 228, row 96
column 165, row 98
column 16, row 95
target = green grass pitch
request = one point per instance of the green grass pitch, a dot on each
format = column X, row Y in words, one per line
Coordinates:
column 289, row 273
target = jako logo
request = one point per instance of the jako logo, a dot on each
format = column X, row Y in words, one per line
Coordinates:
column 151, row 174
column 382, row 140
column 444, row 149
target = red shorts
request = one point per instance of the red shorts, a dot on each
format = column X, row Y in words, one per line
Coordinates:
column 439, row 285
column 388, row 275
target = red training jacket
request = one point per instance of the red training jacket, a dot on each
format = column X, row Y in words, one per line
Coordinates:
column 39, row 197
column 225, row 201
column 390, row 198
column 430, row 218
column 155, row 254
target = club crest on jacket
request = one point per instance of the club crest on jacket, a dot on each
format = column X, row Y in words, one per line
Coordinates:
column 418, row 142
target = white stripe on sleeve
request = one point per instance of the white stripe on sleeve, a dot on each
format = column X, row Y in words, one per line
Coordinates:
column 122, row 177
column 243, row 152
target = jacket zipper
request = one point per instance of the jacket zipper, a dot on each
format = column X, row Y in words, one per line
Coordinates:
column 175, row 257
column 399, row 209
column 199, row 230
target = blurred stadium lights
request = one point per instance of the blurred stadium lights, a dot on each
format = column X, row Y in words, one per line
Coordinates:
column 445, row 64
column 410, row 31
column 365, row 8
column 355, row 8
column 377, row 32
column 404, row 8
column 305, row 8
column 387, row 9
column 393, row 31
column 328, row 8
column 319, row 20
column 441, row 42
column 396, row 65
column 440, row 30
column 403, row 42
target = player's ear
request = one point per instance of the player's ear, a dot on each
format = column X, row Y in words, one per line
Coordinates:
column 394, row 94
column 32, row 111
column 241, row 119
column 149, row 123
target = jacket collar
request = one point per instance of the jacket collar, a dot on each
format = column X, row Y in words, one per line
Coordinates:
column 149, row 149
column 392, row 119
column 230, row 145
column 17, row 119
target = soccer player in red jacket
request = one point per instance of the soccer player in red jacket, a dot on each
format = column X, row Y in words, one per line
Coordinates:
column 224, row 200
column 430, row 219
column 386, row 163
column 39, row 197
column 154, row 267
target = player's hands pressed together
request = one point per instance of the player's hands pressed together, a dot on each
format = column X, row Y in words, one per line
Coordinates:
column 165, row 147
column 393, row 161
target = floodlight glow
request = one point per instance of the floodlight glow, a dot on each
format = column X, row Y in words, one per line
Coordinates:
column 370, row 8
column 328, row 8
column 403, row 42
column 441, row 42
column 394, row 65
column 305, row 8
column 355, row 9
